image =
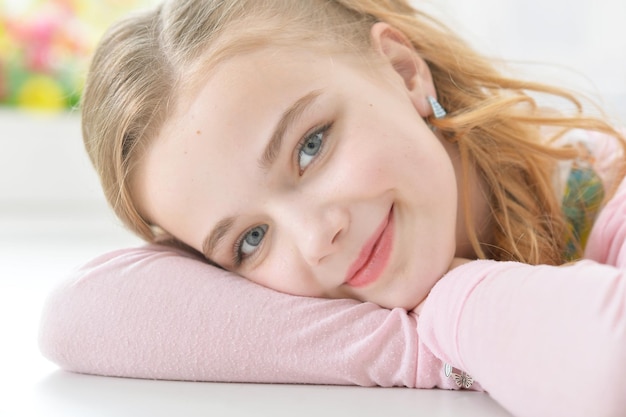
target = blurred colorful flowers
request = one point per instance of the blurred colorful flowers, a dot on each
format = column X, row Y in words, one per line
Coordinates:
column 45, row 47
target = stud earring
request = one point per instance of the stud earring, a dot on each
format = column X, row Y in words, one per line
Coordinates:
column 438, row 110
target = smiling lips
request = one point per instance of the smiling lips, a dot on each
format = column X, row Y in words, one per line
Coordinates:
column 374, row 256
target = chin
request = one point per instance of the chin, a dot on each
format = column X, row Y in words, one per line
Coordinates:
column 413, row 292
column 408, row 305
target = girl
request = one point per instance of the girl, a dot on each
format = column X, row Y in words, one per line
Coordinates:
column 346, row 149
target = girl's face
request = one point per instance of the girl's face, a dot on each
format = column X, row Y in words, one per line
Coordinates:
column 311, row 175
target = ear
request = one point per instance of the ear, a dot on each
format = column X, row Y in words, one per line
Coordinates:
column 395, row 48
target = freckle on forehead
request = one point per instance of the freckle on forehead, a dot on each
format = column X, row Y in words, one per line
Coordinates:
column 198, row 132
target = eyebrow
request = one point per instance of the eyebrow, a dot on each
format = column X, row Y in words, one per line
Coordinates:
column 289, row 117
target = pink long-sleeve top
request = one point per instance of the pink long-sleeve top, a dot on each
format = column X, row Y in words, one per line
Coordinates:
column 542, row 340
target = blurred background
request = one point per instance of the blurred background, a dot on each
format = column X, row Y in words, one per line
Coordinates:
column 53, row 217
column 48, row 192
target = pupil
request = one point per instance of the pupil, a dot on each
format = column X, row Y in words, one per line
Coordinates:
column 255, row 236
column 313, row 144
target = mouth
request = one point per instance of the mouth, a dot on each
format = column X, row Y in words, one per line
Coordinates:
column 374, row 255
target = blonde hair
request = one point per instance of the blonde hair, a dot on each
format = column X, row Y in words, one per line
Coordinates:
column 144, row 61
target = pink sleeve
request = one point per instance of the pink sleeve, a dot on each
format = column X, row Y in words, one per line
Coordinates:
column 607, row 241
column 153, row 312
column 542, row 340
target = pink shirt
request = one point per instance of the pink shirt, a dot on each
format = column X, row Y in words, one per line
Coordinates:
column 542, row 340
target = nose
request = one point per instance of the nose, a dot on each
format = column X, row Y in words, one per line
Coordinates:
column 315, row 229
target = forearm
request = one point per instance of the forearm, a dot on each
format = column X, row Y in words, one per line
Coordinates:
column 155, row 313
column 541, row 340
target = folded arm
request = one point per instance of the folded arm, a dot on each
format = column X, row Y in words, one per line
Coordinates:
column 154, row 312
column 541, row 340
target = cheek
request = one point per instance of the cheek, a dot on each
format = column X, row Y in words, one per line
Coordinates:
column 366, row 158
column 358, row 173
column 282, row 272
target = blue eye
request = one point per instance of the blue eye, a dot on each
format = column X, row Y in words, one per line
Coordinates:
column 249, row 242
column 310, row 147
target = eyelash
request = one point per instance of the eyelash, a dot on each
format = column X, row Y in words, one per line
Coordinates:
column 238, row 258
column 324, row 130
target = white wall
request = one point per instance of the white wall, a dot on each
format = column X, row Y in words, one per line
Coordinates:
column 585, row 38
column 43, row 160
column 48, row 190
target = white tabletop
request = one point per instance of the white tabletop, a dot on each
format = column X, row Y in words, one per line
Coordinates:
column 67, row 394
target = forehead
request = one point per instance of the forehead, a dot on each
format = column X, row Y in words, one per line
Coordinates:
column 206, row 155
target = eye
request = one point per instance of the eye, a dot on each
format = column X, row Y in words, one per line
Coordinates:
column 310, row 147
column 249, row 243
